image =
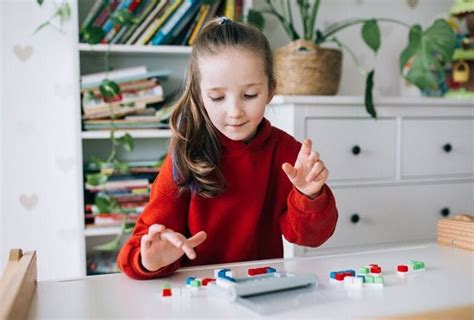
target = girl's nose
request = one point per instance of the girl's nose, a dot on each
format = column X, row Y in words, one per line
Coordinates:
column 234, row 109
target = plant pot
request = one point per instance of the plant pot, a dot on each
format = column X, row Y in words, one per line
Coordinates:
column 303, row 68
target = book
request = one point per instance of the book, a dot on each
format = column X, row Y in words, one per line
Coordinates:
column 176, row 23
column 88, row 79
column 182, row 38
column 211, row 13
column 229, row 9
column 204, row 11
column 127, row 86
column 115, row 110
column 150, row 74
column 122, row 184
column 156, row 24
column 131, row 8
column 156, row 11
column 92, row 104
column 93, row 13
column 109, row 24
column 107, row 10
column 201, row 15
column 140, row 14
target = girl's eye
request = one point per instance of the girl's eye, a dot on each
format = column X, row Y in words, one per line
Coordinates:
column 250, row 96
column 215, row 99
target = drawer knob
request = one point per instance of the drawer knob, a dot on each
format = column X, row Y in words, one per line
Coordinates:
column 355, row 218
column 355, row 150
column 447, row 147
column 445, row 212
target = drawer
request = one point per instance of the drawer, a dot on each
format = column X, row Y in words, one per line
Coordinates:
column 437, row 147
column 355, row 148
column 395, row 213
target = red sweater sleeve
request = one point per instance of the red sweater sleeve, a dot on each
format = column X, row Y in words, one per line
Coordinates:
column 165, row 207
column 309, row 222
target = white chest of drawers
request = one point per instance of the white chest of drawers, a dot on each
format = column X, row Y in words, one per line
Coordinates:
column 393, row 177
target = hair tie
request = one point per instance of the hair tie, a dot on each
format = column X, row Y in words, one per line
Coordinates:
column 224, row 20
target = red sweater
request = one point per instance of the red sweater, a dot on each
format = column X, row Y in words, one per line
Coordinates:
column 246, row 221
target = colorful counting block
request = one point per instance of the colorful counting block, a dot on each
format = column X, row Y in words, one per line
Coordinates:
column 189, row 280
column 263, row 270
column 205, row 281
column 411, row 267
column 196, row 283
column 340, row 275
column 364, row 270
column 166, row 292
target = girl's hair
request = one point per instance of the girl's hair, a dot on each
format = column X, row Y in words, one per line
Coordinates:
column 194, row 144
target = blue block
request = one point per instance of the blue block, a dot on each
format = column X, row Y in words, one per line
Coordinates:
column 332, row 275
column 222, row 272
column 269, row 270
column 189, row 280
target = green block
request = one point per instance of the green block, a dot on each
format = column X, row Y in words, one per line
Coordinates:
column 196, row 283
column 369, row 279
column 422, row 264
column 364, row 270
column 378, row 280
column 166, row 285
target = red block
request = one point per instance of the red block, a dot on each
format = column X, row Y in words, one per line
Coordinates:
column 166, row 293
column 340, row 276
column 205, row 281
column 373, row 265
column 402, row 268
column 375, row 269
column 252, row 272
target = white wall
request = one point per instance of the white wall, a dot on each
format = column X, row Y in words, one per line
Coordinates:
column 394, row 37
column 40, row 167
column 2, row 125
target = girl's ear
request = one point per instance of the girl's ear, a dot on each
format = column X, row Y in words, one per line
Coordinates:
column 271, row 92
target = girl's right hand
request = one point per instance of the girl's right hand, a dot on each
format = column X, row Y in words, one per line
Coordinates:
column 161, row 246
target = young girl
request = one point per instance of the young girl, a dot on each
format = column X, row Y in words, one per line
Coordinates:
column 232, row 184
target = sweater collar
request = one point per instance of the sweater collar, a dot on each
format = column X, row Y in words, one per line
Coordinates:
column 263, row 133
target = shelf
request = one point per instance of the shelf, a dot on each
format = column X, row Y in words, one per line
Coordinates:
column 124, row 48
column 101, row 231
column 105, row 134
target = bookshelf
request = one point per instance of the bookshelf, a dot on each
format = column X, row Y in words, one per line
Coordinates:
column 150, row 144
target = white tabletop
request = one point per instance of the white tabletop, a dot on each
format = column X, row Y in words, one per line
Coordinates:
column 447, row 283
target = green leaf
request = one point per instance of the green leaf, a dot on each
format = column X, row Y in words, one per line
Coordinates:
column 430, row 51
column 110, row 90
column 92, row 35
column 96, row 179
column 256, row 19
column 126, row 141
column 414, row 42
column 371, row 34
column 369, row 101
column 122, row 17
column 121, row 167
column 64, row 11
column 106, row 204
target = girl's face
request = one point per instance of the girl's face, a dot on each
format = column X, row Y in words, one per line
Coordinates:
column 234, row 89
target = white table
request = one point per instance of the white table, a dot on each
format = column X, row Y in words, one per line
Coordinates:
column 447, row 283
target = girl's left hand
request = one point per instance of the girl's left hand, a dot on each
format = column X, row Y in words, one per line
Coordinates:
column 309, row 174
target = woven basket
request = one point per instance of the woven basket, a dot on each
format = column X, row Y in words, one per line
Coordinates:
column 303, row 68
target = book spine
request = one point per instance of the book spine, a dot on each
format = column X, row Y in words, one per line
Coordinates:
column 146, row 23
column 93, row 13
column 109, row 24
column 112, row 75
column 163, row 35
column 155, row 26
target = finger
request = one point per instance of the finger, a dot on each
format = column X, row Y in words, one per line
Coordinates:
column 197, row 239
column 146, row 241
column 290, row 171
column 312, row 159
column 188, row 250
column 305, row 151
column 155, row 228
column 323, row 175
column 318, row 167
column 173, row 237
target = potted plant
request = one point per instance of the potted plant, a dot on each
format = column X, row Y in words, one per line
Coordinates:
column 428, row 50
